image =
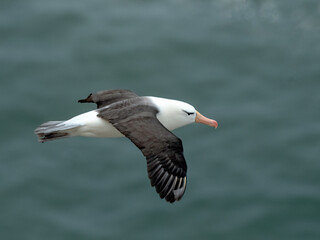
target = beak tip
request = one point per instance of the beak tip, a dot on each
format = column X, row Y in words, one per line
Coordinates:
column 215, row 124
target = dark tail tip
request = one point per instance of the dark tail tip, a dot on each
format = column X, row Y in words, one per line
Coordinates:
column 44, row 137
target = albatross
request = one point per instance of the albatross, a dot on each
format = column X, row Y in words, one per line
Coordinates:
column 147, row 122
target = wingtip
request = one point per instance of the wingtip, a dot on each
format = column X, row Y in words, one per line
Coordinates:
column 173, row 189
column 86, row 100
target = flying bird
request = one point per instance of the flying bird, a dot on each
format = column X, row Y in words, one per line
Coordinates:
column 147, row 122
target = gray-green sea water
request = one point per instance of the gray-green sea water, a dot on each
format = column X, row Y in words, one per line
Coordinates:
column 254, row 66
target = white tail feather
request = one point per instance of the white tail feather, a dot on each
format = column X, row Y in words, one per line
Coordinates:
column 53, row 130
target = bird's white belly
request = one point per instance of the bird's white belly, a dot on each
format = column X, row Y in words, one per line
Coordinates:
column 92, row 126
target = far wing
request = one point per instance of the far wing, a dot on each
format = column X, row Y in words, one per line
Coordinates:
column 107, row 97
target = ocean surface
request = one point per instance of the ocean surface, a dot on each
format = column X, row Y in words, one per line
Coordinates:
column 254, row 66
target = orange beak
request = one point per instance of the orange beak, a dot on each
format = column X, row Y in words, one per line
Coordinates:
column 204, row 120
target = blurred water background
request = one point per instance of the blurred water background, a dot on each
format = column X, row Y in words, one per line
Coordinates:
column 254, row 66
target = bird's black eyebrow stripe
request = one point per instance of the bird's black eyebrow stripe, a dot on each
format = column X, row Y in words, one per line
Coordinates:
column 189, row 113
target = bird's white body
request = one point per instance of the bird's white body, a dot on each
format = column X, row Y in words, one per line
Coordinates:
column 90, row 125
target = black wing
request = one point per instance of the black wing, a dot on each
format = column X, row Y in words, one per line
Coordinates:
column 107, row 97
column 167, row 168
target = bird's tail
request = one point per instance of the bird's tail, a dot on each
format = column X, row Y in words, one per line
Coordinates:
column 54, row 130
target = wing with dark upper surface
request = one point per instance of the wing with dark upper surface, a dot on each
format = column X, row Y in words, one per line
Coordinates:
column 107, row 97
column 136, row 119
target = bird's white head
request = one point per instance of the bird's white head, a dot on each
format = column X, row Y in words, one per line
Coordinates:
column 174, row 114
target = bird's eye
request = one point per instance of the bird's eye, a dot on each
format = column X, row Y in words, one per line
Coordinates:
column 189, row 113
